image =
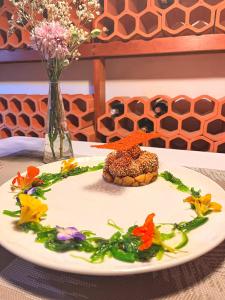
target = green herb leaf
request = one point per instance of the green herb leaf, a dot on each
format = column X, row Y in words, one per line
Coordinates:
column 12, row 213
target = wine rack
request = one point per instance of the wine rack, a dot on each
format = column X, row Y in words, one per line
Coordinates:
column 195, row 124
column 126, row 20
column 26, row 115
column 132, row 19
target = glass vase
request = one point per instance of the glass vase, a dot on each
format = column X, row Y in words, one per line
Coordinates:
column 58, row 144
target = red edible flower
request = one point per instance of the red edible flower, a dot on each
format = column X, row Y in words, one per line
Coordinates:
column 145, row 232
column 24, row 182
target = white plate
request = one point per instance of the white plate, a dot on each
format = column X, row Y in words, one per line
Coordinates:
column 87, row 202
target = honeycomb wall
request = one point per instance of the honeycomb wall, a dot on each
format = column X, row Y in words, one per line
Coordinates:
column 26, row 115
column 126, row 20
column 190, row 124
column 21, row 36
column 134, row 19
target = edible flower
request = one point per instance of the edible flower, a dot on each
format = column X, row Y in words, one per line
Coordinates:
column 32, row 209
column 145, row 232
column 68, row 165
column 30, row 191
column 69, row 233
column 26, row 182
column 203, row 204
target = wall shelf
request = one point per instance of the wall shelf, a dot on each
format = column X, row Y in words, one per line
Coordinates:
column 158, row 46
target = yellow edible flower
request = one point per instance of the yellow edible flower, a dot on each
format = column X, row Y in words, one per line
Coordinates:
column 203, row 204
column 68, row 165
column 32, row 209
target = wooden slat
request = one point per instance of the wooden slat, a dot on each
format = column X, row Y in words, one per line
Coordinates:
column 26, row 55
column 99, row 88
column 166, row 45
column 158, row 46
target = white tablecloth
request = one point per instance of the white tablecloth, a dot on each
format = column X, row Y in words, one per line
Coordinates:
column 34, row 146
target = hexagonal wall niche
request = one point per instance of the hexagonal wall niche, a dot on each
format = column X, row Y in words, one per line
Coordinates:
column 159, row 105
column 191, row 125
column 219, row 147
column 29, row 106
column 169, row 124
column 181, row 105
column 201, row 18
column 73, row 122
column 174, row 20
column 86, row 120
column 149, row 24
column 66, row 104
column 38, row 122
column 3, row 39
column 106, row 125
column 158, row 143
column 162, row 5
column 222, row 110
column 136, row 106
column 15, row 40
column 18, row 132
column 114, row 7
column 43, row 105
column 23, row 121
column 32, row 134
column 126, row 26
column 3, row 104
column 126, row 124
column 188, row 3
column 15, row 106
column 221, row 107
column 5, row 16
column 10, row 120
column 80, row 137
column 79, row 105
column 214, row 3
column 117, row 106
column 178, row 143
column 114, row 137
column 201, row 144
column 216, row 127
column 137, row 6
column 5, row 133
column 107, row 26
column 146, row 124
column 220, row 19
column 86, row 134
column 205, row 106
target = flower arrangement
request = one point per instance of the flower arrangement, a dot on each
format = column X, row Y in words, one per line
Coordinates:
column 57, row 37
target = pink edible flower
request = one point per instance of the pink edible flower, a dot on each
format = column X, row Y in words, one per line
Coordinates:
column 51, row 38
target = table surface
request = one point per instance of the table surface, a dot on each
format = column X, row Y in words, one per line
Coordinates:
column 203, row 278
column 21, row 146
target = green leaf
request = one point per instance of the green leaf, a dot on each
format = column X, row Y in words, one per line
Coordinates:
column 12, row 213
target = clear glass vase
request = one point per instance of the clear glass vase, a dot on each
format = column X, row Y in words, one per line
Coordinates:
column 58, row 144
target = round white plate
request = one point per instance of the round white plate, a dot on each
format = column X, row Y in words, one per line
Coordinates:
column 87, row 202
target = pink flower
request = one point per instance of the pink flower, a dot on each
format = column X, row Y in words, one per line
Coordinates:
column 51, row 38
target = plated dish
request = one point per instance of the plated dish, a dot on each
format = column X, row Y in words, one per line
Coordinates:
column 67, row 217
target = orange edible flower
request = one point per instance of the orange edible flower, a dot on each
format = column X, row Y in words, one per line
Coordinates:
column 24, row 182
column 145, row 232
column 133, row 139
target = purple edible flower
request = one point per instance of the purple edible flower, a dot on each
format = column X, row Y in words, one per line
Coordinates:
column 69, row 233
column 31, row 191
